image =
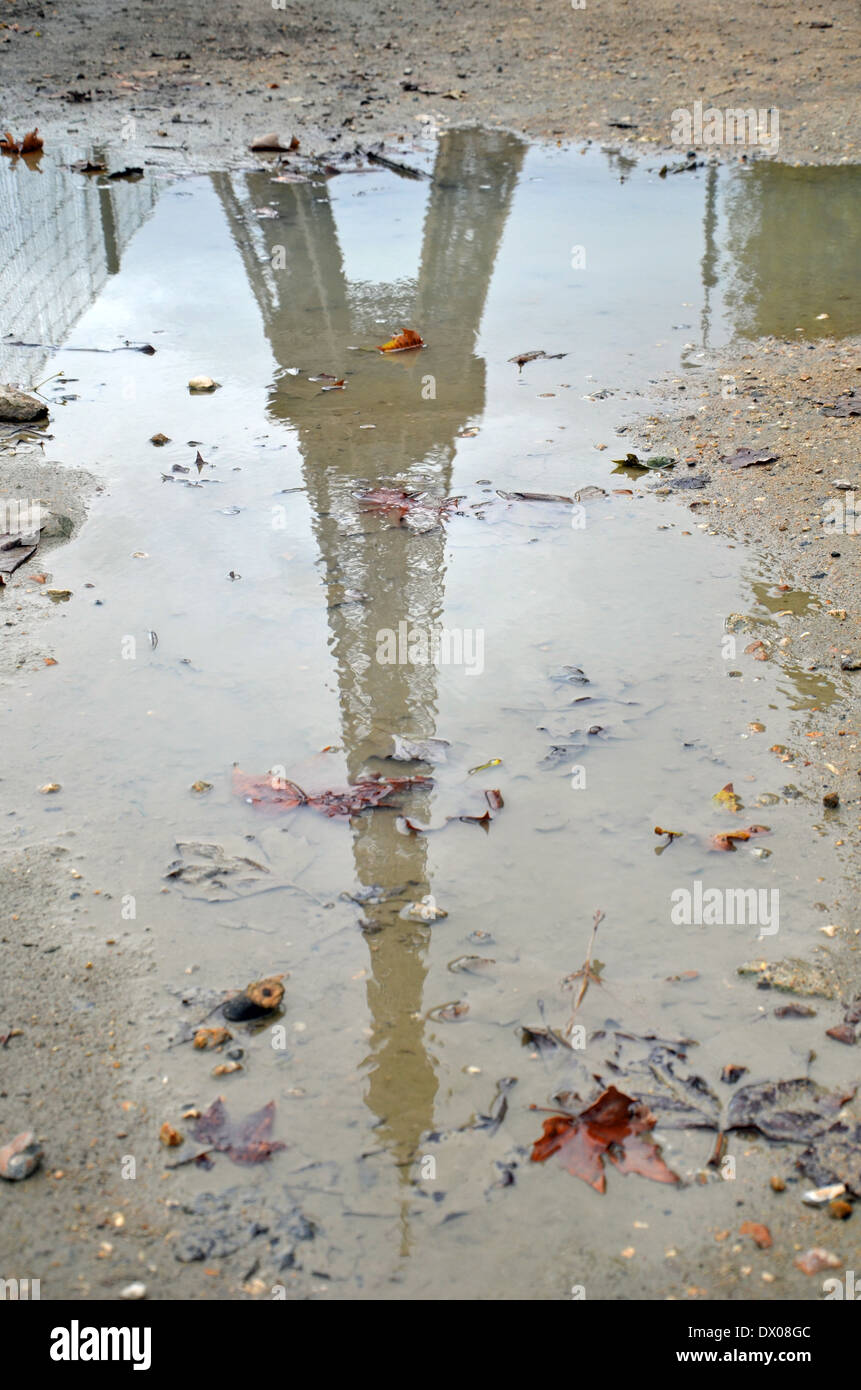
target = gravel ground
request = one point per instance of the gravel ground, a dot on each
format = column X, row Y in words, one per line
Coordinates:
column 210, row 77
column 798, row 511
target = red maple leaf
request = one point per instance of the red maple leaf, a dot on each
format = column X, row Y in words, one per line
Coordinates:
column 612, row 1127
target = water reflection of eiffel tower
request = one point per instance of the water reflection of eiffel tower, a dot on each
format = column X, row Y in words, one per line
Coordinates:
column 312, row 315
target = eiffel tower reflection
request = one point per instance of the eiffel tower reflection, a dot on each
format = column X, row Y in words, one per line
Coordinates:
column 311, row 314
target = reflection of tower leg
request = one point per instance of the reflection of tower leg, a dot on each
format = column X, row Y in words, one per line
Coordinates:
column 309, row 318
column 709, row 262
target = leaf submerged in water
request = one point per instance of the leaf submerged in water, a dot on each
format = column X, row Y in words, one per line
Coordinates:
column 279, row 793
column 244, row 1141
column 613, row 1127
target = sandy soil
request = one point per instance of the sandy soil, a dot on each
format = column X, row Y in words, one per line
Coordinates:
column 183, row 86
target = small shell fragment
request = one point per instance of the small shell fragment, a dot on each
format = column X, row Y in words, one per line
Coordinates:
column 21, row 1157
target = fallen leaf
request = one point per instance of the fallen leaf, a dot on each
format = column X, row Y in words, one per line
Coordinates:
column 245, row 1141
column 30, row 143
column 612, row 1127
column 405, row 340
column 275, row 793
column 799, row 1109
column 724, row 839
column 745, row 458
column 728, row 800
column 843, row 1033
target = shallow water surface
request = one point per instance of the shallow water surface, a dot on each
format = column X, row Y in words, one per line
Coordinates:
column 595, row 679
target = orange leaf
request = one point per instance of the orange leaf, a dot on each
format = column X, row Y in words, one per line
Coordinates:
column 724, row 838
column 727, row 799
column 612, row 1127
column 406, row 339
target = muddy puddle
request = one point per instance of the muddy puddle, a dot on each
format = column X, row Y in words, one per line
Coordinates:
column 251, row 613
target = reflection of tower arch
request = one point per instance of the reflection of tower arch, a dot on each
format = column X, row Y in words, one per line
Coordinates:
column 312, row 319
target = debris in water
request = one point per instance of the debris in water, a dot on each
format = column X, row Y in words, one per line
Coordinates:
column 404, row 342
column 425, row 750
column 482, row 767
column 28, row 144
column 170, row 1137
column 727, row 799
column 725, row 839
column 450, row 1013
column 534, row 497
column 211, row 1037
column 612, row 1127
column 277, row 793
column 793, row 975
column 523, row 357
column 424, row 911
column 222, row 877
column 257, row 999
column 245, row 1141
column 799, row 1109
column 200, row 384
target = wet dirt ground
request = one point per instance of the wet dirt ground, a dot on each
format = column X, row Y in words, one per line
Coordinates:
column 194, row 83
column 230, row 615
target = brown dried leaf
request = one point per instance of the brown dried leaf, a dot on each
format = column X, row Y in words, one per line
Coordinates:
column 278, row 793
column 244, row 1141
column 405, row 341
column 612, row 1127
